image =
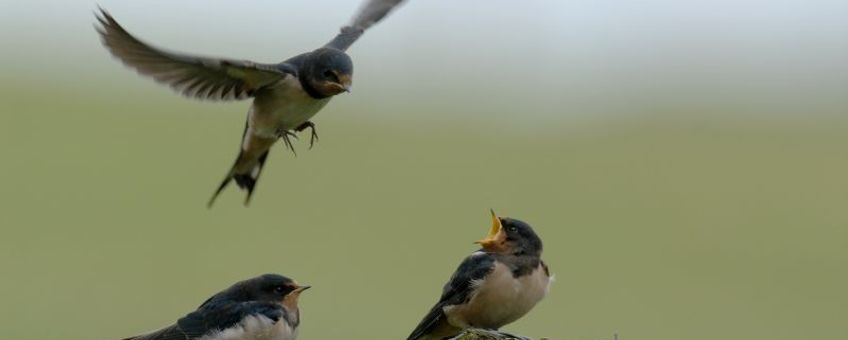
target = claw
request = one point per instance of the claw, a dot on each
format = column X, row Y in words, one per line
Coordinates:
column 313, row 138
column 314, row 135
column 286, row 136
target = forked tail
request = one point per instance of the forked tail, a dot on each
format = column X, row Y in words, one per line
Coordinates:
column 245, row 172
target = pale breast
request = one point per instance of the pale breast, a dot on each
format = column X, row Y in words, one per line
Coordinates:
column 256, row 328
column 284, row 105
column 500, row 299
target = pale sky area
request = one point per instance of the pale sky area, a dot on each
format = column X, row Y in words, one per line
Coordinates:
column 561, row 58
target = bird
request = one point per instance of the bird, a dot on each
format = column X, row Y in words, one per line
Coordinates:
column 285, row 95
column 260, row 308
column 493, row 286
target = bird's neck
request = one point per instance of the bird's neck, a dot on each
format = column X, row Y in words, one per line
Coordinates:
column 292, row 315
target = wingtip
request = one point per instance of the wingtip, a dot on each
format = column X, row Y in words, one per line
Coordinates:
column 105, row 19
column 101, row 13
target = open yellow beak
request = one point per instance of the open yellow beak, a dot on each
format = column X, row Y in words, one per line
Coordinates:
column 495, row 233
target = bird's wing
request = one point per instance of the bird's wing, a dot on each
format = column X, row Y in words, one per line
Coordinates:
column 171, row 332
column 458, row 290
column 192, row 76
column 369, row 14
column 218, row 317
column 213, row 317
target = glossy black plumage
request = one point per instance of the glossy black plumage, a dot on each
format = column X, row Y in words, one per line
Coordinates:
column 259, row 296
column 212, row 318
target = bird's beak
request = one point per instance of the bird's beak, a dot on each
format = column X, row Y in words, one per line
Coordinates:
column 496, row 234
column 290, row 300
column 346, row 81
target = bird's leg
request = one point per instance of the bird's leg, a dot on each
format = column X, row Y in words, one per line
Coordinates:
column 311, row 126
column 286, row 135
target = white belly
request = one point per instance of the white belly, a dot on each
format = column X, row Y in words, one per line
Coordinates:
column 256, row 328
column 500, row 299
column 285, row 106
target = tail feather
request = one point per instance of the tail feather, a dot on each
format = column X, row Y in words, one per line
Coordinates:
column 246, row 180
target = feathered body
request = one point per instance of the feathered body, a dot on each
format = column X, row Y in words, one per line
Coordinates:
column 285, row 95
column 261, row 308
column 493, row 286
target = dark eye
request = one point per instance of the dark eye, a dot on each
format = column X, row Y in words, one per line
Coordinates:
column 331, row 75
column 280, row 289
column 513, row 229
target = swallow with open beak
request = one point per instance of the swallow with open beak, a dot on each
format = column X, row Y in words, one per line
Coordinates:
column 285, row 95
column 492, row 287
column 261, row 308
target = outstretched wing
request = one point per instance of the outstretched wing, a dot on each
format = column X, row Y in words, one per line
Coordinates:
column 458, row 290
column 369, row 14
column 197, row 77
column 210, row 319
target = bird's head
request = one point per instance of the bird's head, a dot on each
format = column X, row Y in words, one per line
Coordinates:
column 511, row 236
column 271, row 288
column 328, row 71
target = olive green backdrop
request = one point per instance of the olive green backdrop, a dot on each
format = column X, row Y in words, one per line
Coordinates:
column 686, row 186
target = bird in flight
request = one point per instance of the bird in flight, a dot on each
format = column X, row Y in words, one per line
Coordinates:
column 493, row 286
column 262, row 308
column 285, row 95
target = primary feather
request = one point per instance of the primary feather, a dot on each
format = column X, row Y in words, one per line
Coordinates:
column 369, row 14
column 192, row 76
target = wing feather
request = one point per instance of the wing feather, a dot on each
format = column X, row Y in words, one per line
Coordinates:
column 192, row 76
column 458, row 290
column 213, row 317
column 369, row 14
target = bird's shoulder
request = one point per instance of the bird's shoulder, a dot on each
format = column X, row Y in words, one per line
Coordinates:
column 459, row 289
column 297, row 61
column 473, row 268
column 214, row 316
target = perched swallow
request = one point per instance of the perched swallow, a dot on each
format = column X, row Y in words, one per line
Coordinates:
column 285, row 95
column 261, row 308
column 492, row 287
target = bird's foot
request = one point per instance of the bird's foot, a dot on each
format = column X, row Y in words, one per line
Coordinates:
column 286, row 136
column 311, row 126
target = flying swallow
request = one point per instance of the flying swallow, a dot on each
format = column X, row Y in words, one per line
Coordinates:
column 492, row 287
column 285, row 95
column 261, row 308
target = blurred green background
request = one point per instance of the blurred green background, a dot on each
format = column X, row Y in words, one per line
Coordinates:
column 685, row 166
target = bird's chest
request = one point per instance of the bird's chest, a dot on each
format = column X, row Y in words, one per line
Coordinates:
column 283, row 106
column 256, row 328
column 501, row 298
